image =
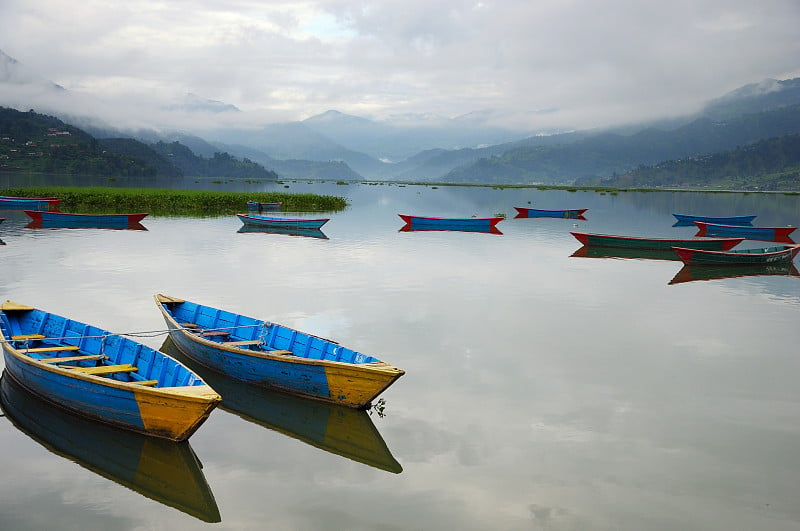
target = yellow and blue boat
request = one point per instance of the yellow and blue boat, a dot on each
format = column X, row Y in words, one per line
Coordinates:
column 275, row 356
column 101, row 375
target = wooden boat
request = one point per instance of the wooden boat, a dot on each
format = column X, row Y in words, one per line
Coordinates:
column 765, row 255
column 101, row 375
column 285, row 223
column 571, row 213
column 96, row 221
column 165, row 471
column 773, row 234
column 275, row 356
column 691, row 273
column 8, row 202
column 689, row 219
column 288, row 231
column 257, row 206
column 469, row 224
column 339, row 430
column 630, row 242
column 623, row 253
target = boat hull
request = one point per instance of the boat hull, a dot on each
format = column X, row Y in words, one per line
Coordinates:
column 29, row 203
column 99, row 221
column 688, row 219
column 691, row 273
column 173, row 408
column 570, row 213
column 780, row 254
column 773, row 234
column 469, row 224
column 165, row 471
column 283, row 359
column 282, row 223
column 628, row 242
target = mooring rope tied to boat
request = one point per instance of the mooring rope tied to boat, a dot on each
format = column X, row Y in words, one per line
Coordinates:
column 144, row 333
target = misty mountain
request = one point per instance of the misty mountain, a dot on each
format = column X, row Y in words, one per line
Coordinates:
column 13, row 72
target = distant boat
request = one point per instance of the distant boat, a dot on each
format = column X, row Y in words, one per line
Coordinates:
column 759, row 256
column 101, row 375
column 688, row 219
column 8, row 202
column 43, row 219
column 287, row 231
column 256, row 206
column 631, row 242
column 772, row 234
column 690, row 273
column 282, row 223
column 455, row 224
column 570, row 213
column 165, row 471
column 336, row 429
column 275, row 356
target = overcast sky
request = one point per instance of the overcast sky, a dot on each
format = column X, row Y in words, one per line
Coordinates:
column 544, row 63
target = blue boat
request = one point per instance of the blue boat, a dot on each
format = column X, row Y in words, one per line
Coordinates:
column 42, row 219
column 8, row 202
column 282, row 223
column 455, row 224
column 101, row 375
column 257, row 206
column 275, row 356
column 688, row 219
column 771, row 234
column 569, row 213
column 165, row 471
column 287, row 231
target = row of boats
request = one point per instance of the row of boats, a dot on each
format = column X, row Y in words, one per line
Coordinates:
column 115, row 379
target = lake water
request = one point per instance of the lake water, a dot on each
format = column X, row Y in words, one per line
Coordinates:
column 542, row 390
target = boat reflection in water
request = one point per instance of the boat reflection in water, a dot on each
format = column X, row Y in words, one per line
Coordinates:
column 336, row 429
column 592, row 251
column 691, row 273
column 165, row 471
column 449, row 228
column 289, row 231
column 58, row 225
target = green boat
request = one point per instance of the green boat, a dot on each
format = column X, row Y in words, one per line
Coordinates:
column 631, row 242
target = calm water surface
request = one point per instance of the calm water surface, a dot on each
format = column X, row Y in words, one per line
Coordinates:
column 542, row 390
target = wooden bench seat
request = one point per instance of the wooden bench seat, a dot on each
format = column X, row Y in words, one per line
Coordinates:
column 215, row 333
column 242, row 343
column 146, row 383
column 27, row 336
column 51, row 349
column 105, row 369
column 188, row 325
column 65, row 359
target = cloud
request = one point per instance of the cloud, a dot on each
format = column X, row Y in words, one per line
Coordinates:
column 590, row 63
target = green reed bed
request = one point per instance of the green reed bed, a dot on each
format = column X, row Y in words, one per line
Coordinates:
column 164, row 202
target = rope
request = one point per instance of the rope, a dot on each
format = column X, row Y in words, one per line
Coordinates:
column 145, row 333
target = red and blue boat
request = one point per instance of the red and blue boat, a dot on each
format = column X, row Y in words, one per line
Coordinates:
column 772, row 234
column 761, row 256
column 282, row 223
column 569, row 213
column 101, row 375
column 275, row 356
column 631, row 242
column 8, row 202
column 257, row 206
column 689, row 219
column 691, row 273
column 455, row 224
column 42, row 219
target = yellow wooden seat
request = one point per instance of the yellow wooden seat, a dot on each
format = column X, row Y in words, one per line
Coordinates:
column 66, row 359
column 215, row 333
column 241, row 343
column 146, row 383
column 27, row 336
column 51, row 349
column 106, row 369
column 188, row 325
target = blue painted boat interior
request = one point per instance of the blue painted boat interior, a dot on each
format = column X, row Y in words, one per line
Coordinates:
column 60, row 331
column 271, row 336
